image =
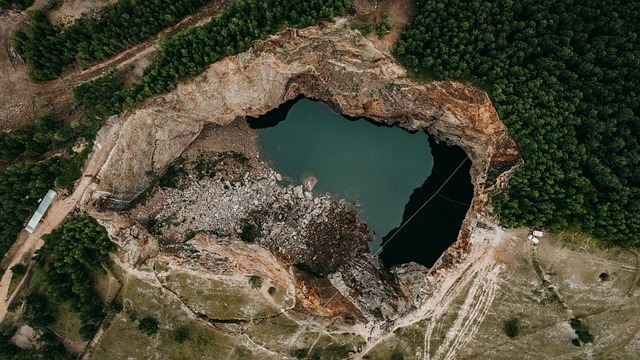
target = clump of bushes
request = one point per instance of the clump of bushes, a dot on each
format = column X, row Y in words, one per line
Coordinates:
column 255, row 281
column 180, row 335
column 250, row 231
column 363, row 27
column 512, row 327
column 581, row 331
column 148, row 326
column 384, row 27
column 19, row 269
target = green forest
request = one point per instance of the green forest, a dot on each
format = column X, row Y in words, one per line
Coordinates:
column 62, row 276
column 188, row 53
column 21, row 186
column 15, row 4
column 30, row 168
column 69, row 254
column 49, row 49
column 564, row 78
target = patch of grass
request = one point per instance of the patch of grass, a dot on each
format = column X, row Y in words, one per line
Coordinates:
column 230, row 299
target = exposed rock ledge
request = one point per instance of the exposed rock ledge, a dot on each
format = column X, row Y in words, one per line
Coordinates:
column 328, row 63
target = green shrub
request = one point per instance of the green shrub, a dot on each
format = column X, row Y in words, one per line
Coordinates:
column 114, row 308
column 19, row 269
column 180, row 335
column 250, row 231
column 384, row 27
column 148, row 325
column 272, row 290
column 255, row 281
column 301, row 353
column 583, row 333
column 38, row 312
column 512, row 327
column 87, row 331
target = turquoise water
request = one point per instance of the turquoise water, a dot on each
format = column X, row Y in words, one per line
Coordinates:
column 378, row 167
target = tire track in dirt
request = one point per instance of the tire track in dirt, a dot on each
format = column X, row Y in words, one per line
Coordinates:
column 471, row 315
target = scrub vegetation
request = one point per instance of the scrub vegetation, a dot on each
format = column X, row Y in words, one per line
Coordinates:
column 63, row 290
column 564, row 78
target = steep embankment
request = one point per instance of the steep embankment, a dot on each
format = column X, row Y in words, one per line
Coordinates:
column 341, row 68
column 327, row 63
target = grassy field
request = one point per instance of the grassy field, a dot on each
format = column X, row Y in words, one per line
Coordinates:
column 568, row 284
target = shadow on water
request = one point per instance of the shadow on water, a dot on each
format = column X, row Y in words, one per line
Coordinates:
column 436, row 226
column 433, row 229
column 274, row 116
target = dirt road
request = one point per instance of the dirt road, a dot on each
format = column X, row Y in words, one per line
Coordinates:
column 22, row 99
column 105, row 141
column 479, row 269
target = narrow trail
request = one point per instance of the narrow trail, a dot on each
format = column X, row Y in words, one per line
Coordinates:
column 478, row 264
column 471, row 315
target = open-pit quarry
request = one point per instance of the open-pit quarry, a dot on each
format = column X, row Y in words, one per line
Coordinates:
column 212, row 239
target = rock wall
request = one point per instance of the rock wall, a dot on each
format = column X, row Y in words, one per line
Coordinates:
column 341, row 68
column 328, row 63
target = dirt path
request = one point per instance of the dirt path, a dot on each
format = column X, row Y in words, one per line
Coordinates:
column 60, row 208
column 22, row 99
column 478, row 266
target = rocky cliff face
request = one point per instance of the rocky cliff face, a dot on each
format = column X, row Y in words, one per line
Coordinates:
column 341, row 68
column 328, row 63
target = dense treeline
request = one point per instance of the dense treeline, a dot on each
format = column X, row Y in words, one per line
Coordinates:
column 15, row 4
column 564, row 77
column 188, row 53
column 44, row 134
column 21, row 186
column 69, row 254
column 48, row 49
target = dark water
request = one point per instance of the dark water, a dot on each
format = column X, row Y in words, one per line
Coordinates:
column 435, row 227
column 386, row 170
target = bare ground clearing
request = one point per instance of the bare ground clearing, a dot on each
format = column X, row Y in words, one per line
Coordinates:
column 400, row 12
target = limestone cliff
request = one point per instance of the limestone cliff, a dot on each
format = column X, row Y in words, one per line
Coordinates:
column 341, row 68
column 328, row 63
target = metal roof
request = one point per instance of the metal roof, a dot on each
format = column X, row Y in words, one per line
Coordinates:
column 42, row 208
